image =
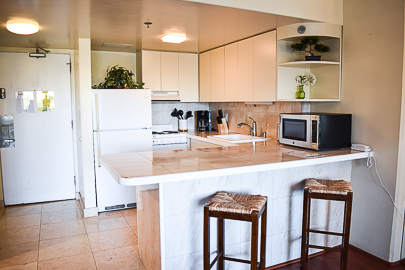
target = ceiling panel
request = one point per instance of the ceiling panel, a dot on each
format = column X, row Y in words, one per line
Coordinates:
column 122, row 21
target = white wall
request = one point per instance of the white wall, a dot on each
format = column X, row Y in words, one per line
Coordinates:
column 100, row 61
column 84, row 127
column 372, row 70
column 330, row 11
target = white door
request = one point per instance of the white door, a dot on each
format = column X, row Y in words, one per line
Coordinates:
column 40, row 167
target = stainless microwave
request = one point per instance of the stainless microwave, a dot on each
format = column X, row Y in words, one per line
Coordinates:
column 317, row 131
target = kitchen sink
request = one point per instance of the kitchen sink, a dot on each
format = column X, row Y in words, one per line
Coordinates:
column 236, row 138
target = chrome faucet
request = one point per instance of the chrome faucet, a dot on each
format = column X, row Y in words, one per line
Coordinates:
column 252, row 129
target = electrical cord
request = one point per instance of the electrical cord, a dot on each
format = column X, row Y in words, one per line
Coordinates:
column 370, row 164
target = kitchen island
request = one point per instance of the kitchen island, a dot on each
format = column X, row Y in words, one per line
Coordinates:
column 174, row 185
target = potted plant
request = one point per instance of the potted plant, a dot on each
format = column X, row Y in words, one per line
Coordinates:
column 309, row 45
column 119, row 78
column 301, row 80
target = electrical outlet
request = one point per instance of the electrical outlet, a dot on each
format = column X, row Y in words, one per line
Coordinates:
column 2, row 93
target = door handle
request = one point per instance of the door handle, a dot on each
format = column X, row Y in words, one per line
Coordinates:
column 98, row 132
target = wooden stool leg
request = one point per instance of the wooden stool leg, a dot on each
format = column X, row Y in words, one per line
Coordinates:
column 263, row 238
column 206, row 238
column 346, row 232
column 253, row 250
column 305, row 227
column 221, row 244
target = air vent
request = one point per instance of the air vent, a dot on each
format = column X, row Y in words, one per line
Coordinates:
column 131, row 205
column 116, row 45
column 119, row 206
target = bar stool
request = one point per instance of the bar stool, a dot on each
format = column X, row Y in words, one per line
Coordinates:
column 233, row 206
column 338, row 190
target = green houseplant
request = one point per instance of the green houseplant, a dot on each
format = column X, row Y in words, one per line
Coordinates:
column 119, row 78
column 309, row 45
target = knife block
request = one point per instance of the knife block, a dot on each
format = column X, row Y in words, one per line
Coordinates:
column 223, row 128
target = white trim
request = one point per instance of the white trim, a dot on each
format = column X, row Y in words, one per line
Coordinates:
column 398, row 225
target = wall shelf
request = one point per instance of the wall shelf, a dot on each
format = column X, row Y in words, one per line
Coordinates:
column 292, row 63
column 308, row 64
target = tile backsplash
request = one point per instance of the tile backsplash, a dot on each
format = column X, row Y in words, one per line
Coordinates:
column 161, row 111
column 266, row 116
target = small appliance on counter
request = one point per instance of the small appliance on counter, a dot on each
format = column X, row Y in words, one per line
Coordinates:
column 317, row 131
column 204, row 120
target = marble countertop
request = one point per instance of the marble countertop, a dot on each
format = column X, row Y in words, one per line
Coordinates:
column 143, row 168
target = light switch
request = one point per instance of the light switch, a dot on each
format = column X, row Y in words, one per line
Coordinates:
column 2, row 93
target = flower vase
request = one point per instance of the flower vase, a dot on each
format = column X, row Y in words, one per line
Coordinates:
column 300, row 94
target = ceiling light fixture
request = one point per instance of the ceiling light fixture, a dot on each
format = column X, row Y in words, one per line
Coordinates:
column 173, row 38
column 22, row 26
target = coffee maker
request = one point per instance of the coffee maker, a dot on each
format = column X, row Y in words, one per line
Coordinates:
column 204, row 120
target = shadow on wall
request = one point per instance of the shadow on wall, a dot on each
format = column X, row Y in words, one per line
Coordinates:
column 266, row 116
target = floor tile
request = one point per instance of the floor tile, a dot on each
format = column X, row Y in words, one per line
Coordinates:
column 131, row 219
column 129, row 212
column 95, row 225
column 28, row 266
column 60, row 206
column 16, row 222
column 19, row 236
column 58, row 230
column 23, row 210
column 125, row 258
column 108, row 215
column 61, row 216
column 63, row 247
column 77, row 262
column 18, row 254
column 112, row 239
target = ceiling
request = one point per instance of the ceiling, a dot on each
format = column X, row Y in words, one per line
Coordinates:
column 62, row 22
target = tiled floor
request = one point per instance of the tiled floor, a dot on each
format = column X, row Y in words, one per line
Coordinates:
column 56, row 236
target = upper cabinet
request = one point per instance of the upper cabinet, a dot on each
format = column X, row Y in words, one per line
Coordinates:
column 242, row 71
column 188, row 77
column 265, row 68
column 292, row 63
column 169, row 72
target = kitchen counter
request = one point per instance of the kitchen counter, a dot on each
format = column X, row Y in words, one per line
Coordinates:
column 174, row 185
column 174, row 165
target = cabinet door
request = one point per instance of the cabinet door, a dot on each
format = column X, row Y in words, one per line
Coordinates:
column 231, row 72
column 151, row 70
column 170, row 71
column 205, row 77
column 245, row 70
column 188, row 77
column 217, row 74
column 265, row 66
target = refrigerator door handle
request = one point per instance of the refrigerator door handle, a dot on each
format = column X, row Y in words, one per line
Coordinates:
column 98, row 133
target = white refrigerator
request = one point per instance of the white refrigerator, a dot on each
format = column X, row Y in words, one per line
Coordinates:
column 122, row 122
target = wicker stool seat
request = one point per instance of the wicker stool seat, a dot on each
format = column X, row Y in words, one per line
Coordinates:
column 236, row 203
column 340, row 187
column 338, row 190
column 241, row 207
